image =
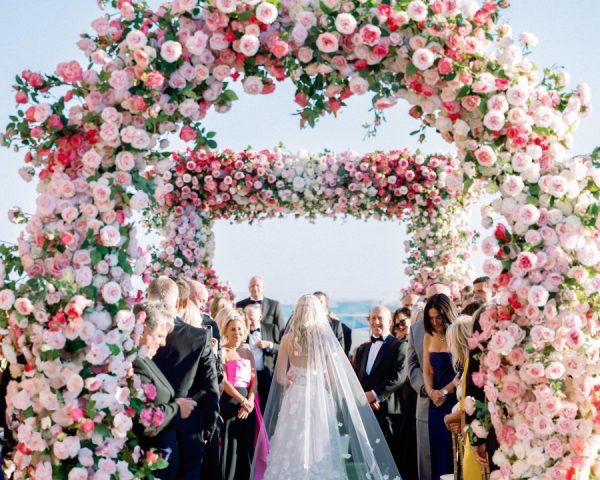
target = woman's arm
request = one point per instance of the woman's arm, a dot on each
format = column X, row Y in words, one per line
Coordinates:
column 282, row 362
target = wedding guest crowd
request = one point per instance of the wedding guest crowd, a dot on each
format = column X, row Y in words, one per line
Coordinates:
column 210, row 376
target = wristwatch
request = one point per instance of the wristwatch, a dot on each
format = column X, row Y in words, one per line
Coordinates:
column 445, row 392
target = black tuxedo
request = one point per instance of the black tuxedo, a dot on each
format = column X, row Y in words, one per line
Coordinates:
column 271, row 311
column 336, row 326
column 165, row 437
column 270, row 333
column 189, row 364
column 386, row 379
column 347, row 331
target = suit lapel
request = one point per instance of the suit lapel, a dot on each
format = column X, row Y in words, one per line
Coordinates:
column 380, row 354
column 265, row 307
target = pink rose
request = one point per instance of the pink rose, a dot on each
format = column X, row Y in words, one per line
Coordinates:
column 111, row 292
column 370, row 35
column 266, row 13
column 327, row 42
column 70, row 72
column 170, row 51
column 109, row 236
column 252, row 85
column 280, row 48
column 119, row 80
column 23, row 306
column 417, row 11
column 7, row 299
column 485, row 156
column 538, row 296
column 248, row 45
column 196, row 44
column 149, row 391
column 445, row 66
column 154, row 79
column 77, row 306
column 526, row 261
column 345, row 23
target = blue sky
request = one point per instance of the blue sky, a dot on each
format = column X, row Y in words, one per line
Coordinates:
column 349, row 259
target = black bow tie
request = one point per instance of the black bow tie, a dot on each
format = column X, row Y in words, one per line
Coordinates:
column 376, row 339
column 252, row 331
column 254, row 302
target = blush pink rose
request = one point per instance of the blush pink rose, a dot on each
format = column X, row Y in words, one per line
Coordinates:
column 485, row 156
column 327, row 42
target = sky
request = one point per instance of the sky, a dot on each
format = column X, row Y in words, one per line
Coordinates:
column 349, row 259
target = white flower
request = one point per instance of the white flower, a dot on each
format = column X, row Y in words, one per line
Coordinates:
column 266, row 13
column 345, row 23
column 249, row 45
column 417, row 11
column 423, row 58
column 252, row 85
column 170, row 51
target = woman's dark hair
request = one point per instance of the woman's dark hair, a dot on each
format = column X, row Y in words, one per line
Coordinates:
column 446, row 309
column 401, row 311
column 471, row 308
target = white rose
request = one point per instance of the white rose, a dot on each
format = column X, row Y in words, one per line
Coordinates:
column 417, row 11
column 252, row 85
column 170, row 51
column 359, row 85
column 345, row 23
column 111, row 292
column 139, row 201
column 266, row 13
column 423, row 58
column 248, row 45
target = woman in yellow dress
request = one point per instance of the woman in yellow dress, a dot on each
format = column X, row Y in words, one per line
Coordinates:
column 457, row 337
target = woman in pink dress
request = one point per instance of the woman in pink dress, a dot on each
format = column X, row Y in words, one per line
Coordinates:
column 237, row 402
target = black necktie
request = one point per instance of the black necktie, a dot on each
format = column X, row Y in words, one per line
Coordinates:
column 376, row 339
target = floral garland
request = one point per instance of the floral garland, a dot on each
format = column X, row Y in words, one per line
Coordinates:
column 153, row 73
column 202, row 186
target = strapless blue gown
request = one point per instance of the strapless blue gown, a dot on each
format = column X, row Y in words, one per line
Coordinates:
column 440, row 438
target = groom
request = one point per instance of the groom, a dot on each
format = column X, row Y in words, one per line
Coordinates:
column 380, row 367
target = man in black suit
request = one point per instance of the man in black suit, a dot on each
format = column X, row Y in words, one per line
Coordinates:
column 335, row 323
column 199, row 299
column 271, row 309
column 188, row 363
column 263, row 341
column 380, row 367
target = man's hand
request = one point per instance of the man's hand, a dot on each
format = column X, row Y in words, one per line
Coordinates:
column 263, row 344
column 481, row 454
column 186, row 405
column 371, row 396
column 214, row 345
column 375, row 406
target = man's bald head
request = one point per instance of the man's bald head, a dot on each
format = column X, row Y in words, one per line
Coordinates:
column 410, row 300
column 437, row 288
column 380, row 320
column 198, row 293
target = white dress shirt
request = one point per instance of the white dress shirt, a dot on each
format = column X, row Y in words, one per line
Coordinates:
column 373, row 351
column 257, row 353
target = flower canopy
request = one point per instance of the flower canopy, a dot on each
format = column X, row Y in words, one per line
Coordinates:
column 426, row 190
column 96, row 136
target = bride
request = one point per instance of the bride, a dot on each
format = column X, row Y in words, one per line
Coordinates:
column 318, row 423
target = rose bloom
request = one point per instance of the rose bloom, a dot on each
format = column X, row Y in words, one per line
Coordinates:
column 111, row 292
column 266, row 13
column 417, row 11
column 538, row 296
column 370, row 35
column 196, row 44
column 154, row 79
column 423, row 58
column 485, row 156
column 527, row 214
column 252, row 85
column 494, row 120
column 345, row 23
column 512, row 185
column 327, row 42
column 170, row 51
column 23, row 306
column 248, row 45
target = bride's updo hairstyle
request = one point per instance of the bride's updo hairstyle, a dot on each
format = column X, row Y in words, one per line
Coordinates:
column 308, row 315
column 225, row 316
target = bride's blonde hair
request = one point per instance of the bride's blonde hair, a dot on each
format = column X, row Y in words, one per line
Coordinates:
column 457, row 335
column 308, row 315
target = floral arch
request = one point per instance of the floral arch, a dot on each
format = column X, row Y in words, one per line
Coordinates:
column 95, row 135
column 424, row 190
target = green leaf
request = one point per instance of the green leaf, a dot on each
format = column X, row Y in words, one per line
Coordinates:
column 114, row 349
column 245, row 16
column 90, row 409
column 411, row 69
column 28, row 413
column 96, row 257
column 464, row 91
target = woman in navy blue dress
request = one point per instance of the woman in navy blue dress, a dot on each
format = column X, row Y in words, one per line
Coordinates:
column 440, row 381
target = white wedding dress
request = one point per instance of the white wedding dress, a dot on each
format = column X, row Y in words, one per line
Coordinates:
column 318, row 424
column 299, row 453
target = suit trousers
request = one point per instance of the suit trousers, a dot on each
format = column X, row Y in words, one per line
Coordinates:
column 263, row 377
column 424, row 450
column 191, row 447
column 166, row 444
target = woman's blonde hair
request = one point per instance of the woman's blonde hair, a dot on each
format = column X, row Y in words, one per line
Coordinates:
column 457, row 336
column 219, row 302
column 227, row 315
column 308, row 315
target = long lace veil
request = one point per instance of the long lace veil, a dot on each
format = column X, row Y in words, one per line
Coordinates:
column 318, row 423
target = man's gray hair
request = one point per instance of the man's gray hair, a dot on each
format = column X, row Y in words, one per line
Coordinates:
column 156, row 315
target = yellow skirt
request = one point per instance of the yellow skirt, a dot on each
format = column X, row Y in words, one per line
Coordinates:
column 471, row 467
